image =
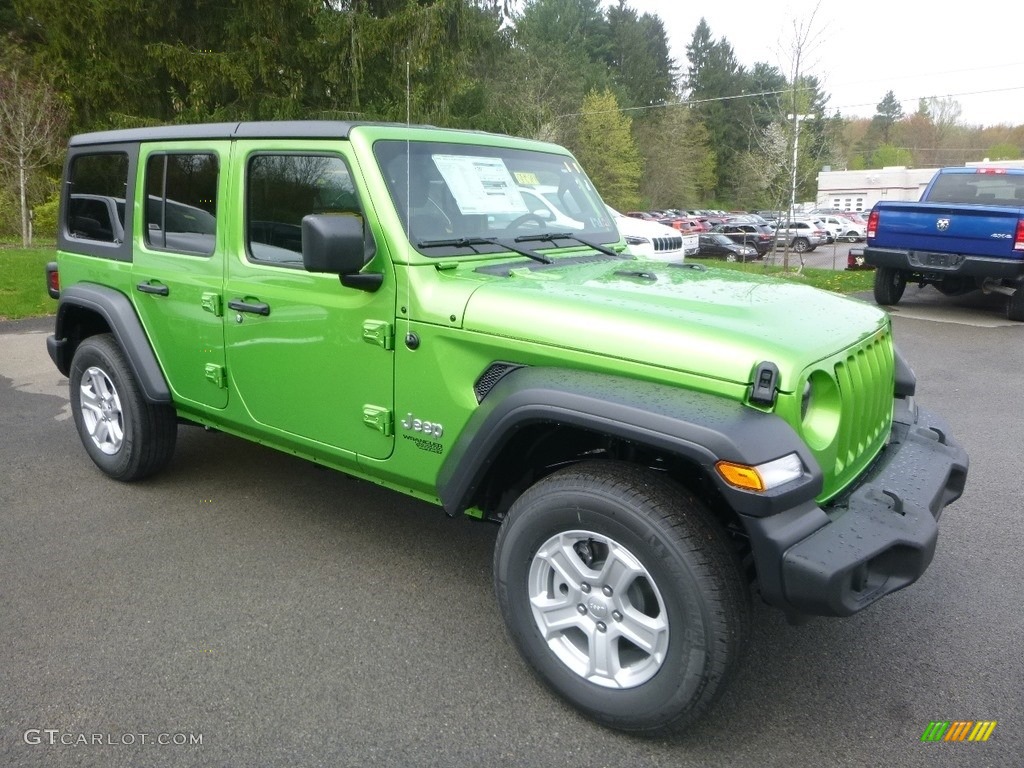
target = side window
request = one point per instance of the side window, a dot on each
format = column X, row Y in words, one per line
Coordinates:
column 95, row 206
column 181, row 202
column 282, row 189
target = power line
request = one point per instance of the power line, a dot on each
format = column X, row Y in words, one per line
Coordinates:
column 695, row 102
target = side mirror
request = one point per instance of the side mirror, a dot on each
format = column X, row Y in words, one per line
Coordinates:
column 337, row 244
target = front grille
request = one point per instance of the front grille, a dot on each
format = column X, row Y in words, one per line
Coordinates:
column 865, row 377
column 668, row 243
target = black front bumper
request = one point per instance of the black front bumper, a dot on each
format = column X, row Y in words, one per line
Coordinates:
column 880, row 538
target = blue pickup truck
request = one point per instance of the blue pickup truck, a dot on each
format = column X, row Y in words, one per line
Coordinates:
column 966, row 233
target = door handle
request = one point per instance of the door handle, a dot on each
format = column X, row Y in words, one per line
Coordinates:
column 255, row 307
column 156, row 289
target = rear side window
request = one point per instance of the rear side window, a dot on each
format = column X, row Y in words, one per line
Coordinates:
column 95, row 207
column 181, row 202
column 281, row 190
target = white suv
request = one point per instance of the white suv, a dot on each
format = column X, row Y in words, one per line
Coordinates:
column 651, row 240
column 845, row 229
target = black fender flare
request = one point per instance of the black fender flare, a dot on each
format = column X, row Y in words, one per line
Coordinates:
column 700, row 427
column 120, row 316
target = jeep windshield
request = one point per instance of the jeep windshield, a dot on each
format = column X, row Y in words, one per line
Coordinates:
column 465, row 199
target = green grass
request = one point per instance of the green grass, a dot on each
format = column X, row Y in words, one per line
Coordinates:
column 836, row 280
column 23, row 282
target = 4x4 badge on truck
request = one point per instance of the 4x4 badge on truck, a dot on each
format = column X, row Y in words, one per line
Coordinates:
column 942, row 224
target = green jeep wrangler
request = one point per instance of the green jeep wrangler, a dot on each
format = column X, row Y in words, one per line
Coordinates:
column 654, row 439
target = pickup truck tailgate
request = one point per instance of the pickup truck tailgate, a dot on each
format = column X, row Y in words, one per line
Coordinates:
column 936, row 228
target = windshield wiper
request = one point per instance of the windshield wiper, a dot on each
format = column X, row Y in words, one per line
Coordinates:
column 457, row 242
column 470, row 242
column 552, row 236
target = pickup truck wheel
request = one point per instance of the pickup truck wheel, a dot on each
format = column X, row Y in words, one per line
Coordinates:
column 622, row 593
column 889, row 285
column 1015, row 306
column 801, row 245
column 127, row 437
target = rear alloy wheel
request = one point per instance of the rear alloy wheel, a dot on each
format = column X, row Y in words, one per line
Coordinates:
column 852, row 237
column 622, row 593
column 126, row 436
column 889, row 286
column 801, row 245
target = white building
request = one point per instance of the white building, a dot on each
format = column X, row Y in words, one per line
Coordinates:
column 859, row 190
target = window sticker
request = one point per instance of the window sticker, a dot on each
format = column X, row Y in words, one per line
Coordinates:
column 480, row 184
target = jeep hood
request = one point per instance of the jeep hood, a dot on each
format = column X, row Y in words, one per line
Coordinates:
column 714, row 323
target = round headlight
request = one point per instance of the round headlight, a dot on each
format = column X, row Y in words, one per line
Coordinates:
column 820, row 408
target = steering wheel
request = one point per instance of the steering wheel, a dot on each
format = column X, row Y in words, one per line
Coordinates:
column 526, row 218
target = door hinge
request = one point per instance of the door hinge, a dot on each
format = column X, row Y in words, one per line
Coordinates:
column 379, row 332
column 217, row 375
column 378, row 418
column 211, row 303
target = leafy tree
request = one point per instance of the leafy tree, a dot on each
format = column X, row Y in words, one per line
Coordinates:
column 888, row 155
column 678, row 160
column 605, row 148
column 32, row 129
column 1003, row 151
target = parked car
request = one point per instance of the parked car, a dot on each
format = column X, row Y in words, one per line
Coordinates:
column 758, row 236
column 718, row 246
column 831, row 231
column 800, row 234
column 844, row 228
column 652, row 240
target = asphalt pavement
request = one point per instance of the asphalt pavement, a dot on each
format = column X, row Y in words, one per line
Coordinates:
column 246, row 608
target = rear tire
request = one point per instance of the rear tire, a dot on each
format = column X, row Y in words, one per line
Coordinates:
column 1015, row 306
column 801, row 245
column 126, row 436
column 889, row 285
column 622, row 593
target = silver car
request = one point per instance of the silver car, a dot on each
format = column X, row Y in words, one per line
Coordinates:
column 800, row 235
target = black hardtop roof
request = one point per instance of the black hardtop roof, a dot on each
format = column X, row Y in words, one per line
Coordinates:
column 272, row 129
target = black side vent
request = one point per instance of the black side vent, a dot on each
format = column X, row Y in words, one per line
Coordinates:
column 490, row 377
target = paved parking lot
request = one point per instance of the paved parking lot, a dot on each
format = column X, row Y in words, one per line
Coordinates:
column 284, row 615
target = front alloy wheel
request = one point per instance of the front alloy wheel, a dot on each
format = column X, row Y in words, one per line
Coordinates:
column 623, row 593
column 598, row 609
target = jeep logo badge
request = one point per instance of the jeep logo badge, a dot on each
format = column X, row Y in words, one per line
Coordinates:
column 942, row 224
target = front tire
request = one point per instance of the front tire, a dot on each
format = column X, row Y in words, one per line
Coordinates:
column 889, row 286
column 622, row 593
column 125, row 436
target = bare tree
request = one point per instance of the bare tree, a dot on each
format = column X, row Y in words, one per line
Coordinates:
column 33, row 122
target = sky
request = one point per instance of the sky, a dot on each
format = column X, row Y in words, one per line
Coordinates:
column 859, row 50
